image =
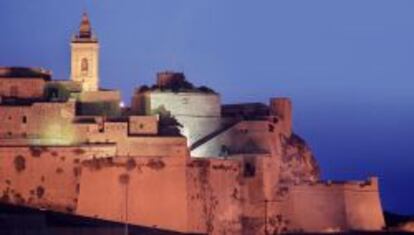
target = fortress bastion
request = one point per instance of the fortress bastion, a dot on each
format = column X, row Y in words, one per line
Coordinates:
column 176, row 160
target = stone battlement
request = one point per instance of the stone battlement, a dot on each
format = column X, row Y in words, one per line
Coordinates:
column 369, row 184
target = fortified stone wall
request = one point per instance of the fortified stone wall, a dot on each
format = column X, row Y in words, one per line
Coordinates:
column 238, row 195
column 231, row 196
column 49, row 120
column 242, row 137
column 197, row 113
column 282, row 108
column 153, row 146
column 22, row 87
column 150, row 192
column 100, row 96
column 335, row 206
column 363, row 205
column 143, row 125
column 135, row 145
column 214, row 196
column 45, row 177
column 177, row 104
column 205, row 196
column 195, row 129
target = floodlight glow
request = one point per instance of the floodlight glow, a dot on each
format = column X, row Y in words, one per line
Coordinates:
column 58, row 133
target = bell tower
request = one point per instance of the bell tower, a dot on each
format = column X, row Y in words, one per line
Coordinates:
column 85, row 57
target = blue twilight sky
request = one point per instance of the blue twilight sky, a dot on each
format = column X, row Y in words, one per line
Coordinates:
column 347, row 65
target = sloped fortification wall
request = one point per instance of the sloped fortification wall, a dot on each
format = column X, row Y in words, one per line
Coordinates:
column 335, row 206
column 363, row 206
column 238, row 195
column 140, row 190
column 43, row 177
column 242, row 137
column 215, row 196
column 172, row 193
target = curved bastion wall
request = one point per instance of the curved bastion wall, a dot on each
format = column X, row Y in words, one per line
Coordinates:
column 194, row 104
column 198, row 113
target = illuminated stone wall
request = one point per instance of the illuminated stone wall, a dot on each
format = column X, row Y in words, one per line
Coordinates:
column 241, row 137
column 182, row 103
column 39, row 120
column 143, row 191
column 215, row 196
column 282, row 108
column 237, row 195
column 22, row 87
column 143, row 125
column 258, row 176
column 45, row 177
column 335, row 206
column 197, row 128
column 130, row 145
column 198, row 113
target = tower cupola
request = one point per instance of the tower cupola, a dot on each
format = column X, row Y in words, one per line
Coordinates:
column 85, row 30
column 85, row 33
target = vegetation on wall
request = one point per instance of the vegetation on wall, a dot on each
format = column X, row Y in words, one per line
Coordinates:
column 176, row 87
column 56, row 92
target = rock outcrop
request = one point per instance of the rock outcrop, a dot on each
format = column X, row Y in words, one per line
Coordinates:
column 297, row 163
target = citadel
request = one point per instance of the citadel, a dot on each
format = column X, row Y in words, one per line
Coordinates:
column 175, row 160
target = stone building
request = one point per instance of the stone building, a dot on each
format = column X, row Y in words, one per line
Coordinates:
column 176, row 160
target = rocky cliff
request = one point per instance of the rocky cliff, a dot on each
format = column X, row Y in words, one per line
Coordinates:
column 297, row 162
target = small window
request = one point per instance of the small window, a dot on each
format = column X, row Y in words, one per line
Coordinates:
column 24, row 119
column 249, row 169
column 141, row 126
column 224, row 151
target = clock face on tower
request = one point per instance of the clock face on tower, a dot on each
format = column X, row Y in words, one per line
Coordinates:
column 84, row 66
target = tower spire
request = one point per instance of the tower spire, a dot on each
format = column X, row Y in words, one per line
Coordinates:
column 85, row 30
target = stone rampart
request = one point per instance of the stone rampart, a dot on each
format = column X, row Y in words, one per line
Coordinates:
column 22, row 87
column 330, row 206
column 45, row 177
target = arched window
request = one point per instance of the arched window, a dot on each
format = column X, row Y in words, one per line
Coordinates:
column 84, row 65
